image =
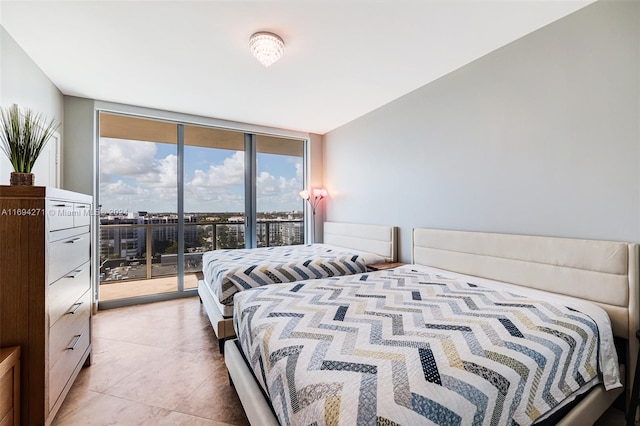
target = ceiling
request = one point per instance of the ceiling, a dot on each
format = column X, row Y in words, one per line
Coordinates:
column 343, row 58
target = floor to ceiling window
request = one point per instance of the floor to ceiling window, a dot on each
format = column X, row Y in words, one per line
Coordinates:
column 214, row 195
column 171, row 191
column 279, row 179
column 138, row 207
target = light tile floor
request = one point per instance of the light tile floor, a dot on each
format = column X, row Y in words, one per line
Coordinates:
column 155, row 364
column 158, row 364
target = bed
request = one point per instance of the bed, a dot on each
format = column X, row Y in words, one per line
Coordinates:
column 347, row 249
column 288, row 335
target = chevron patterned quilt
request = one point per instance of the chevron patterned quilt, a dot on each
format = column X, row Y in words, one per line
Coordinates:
column 230, row 271
column 407, row 347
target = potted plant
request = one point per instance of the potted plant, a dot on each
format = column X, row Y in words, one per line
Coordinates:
column 23, row 134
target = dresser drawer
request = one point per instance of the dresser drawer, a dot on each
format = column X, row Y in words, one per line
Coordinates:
column 60, row 214
column 68, row 326
column 67, row 254
column 64, row 293
column 68, row 340
column 60, row 373
column 81, row 214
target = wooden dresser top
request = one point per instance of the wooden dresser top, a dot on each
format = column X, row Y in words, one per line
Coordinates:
column 23, row 191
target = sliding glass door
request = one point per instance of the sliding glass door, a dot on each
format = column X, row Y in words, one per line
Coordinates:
column 214, row 201
column 279, row 179
column 171, row 191
column 139, row 209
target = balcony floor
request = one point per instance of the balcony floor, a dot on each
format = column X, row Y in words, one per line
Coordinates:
column 112, row 290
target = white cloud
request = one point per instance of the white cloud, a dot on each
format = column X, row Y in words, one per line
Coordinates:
column 298, row 164
column 219, row 188
column 118, row 187
column 155, row 178
column 120, row 195
column 125, row 157
column 230, row 172
column 163, row 174
column 267, row 184
column 277, row 193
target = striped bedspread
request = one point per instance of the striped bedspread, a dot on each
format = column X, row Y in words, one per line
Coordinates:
column 407, row 347
column 230, row 271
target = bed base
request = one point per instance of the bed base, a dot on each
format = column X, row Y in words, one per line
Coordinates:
column 222, row 326
column 594, row 404
column 255, row 406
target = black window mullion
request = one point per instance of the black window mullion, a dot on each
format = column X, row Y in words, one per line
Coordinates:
column 250, row 225
column 180, row 223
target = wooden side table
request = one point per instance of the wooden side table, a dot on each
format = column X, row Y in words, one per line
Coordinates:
column 383, row 266
column 10, row 386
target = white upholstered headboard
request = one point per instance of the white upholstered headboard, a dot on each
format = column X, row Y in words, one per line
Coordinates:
column 379, row 239
column 604, row 272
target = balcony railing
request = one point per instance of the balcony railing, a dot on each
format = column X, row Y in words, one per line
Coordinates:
column 146, row 251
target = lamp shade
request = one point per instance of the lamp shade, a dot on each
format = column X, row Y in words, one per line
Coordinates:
column 266, row 47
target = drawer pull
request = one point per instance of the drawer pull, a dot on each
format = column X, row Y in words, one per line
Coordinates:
column 73, row 241
column 74, row 273
column 62, row 205
column 77, row 305
column 75, row 342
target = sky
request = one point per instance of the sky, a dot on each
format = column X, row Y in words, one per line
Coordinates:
column 142, row 176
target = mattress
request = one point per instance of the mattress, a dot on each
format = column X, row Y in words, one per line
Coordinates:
column 227, row 272
column 416, row 345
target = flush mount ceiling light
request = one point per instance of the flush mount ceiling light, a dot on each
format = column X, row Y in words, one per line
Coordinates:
column 266, row 47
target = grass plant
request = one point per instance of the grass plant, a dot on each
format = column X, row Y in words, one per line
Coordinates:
column 23, row 135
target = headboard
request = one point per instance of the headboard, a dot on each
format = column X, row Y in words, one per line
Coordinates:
column 604, row 272
column 379, row 239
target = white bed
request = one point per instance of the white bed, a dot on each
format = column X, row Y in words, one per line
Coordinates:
column 371, row 243
column 602, row 272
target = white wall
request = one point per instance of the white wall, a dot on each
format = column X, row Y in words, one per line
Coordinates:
column 79, row 155
column 539, row 137
column 23, row 83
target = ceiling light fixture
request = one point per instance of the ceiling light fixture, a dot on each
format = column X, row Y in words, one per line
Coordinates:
column 266, row 47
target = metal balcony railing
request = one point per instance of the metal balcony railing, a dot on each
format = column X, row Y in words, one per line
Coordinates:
column 149, row 250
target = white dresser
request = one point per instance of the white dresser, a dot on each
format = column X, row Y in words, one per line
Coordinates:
column 45, row 292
